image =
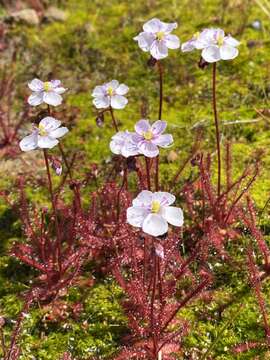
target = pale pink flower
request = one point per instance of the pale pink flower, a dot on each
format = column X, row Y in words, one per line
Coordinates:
column 148, row 138
column 110, row 94
column 45, row 136
column 48, row 92
column 156, row 38
column 121, row 144
column 153, row 211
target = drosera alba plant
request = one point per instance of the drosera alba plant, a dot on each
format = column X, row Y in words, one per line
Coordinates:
column 215, row 46
column 157, row 239
column 50, row 249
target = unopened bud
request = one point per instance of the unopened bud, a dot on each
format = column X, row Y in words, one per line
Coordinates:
column 202, row 63
column 100, row 120
column 151, row 62
column 56, row 165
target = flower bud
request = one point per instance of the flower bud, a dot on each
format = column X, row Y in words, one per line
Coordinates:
column 202, row 63
column 100, row 120
column 151, row 62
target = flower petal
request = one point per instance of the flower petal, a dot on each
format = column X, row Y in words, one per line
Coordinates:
column 136, row 216
column 168, row 27
column 60, row 90
column 142, row 126
column 61, row 131
column 35, row 99
column 117, row 142
column 129, row 149
column 122, row 89
column 148, row 148
column 101, row 102
column 173, row 215
column 164, row 198
column 46, row 142
column 211, row 54
column 155, row 225
column 99, row 91
column 158, row 127
column 55, row 83
column 144, row 199
column 188, row 46
column 118, row 102
column 36, row 85
column 112, row 84
column 145, row 40
column 229, row 40
column 172, row 41
column 52, row 98
column 29, row 142
column 228, row 52
column 49, row 123
column 153, row 26
column 159, row 50
column 163, row 140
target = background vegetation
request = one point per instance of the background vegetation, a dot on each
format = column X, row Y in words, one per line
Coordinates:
column 93, row 43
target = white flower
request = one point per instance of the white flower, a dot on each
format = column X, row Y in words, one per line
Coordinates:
column 157, row 38
column 110, row 94
column 48, row 92
column 214, row 44
column 122, row 144
column 152, row 212
column 45, row 136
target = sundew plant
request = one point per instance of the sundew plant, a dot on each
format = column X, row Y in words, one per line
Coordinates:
column 131, row 257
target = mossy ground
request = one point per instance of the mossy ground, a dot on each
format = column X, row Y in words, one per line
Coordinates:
column 95, row 45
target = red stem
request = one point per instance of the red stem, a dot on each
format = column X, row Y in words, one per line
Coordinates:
column 114, row 120
column 217, row 127
column 54, row 209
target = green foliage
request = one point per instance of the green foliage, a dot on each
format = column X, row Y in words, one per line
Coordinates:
column 95, row 45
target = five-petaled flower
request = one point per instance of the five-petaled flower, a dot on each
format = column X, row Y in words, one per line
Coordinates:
column 156, row 38
column 122, row 144
column 45, row 136
column 149, row 137
column 110, row 95
column 153, row 211
column 214, row 44
column 48, row 92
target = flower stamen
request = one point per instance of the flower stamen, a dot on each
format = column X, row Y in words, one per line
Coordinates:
column 155, row 206
column 160, row 35
column 110, row 91
column 148, row 135
column 47, row 86
column 42, row 131
column 220, row 40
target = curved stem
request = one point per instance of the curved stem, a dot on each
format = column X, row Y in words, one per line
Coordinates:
column 114, row 120
column 217, row 126
column 157, row 173
column 65, row 160
column 160, row 69
column 148, row 173
column 54, row 210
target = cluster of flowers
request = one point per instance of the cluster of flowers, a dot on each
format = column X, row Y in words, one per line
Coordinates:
column 150, row 211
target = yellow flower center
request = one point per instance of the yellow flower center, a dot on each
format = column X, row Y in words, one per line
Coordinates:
column 110, row 91
column 196, row 35
column 47, row 86
column 148, row 135
column 41, row 130
column 160, row 35
column 155, row 206
column 220, row 40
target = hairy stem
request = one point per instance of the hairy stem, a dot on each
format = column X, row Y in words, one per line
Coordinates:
column 217, row 126
column 160, row 70
column 114, row 120
column 54, row 210
column 65, row 160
